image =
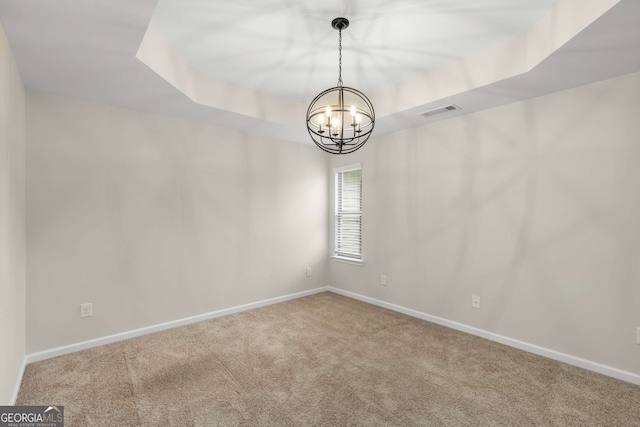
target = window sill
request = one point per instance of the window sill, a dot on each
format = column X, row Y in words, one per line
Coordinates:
column 348, row 260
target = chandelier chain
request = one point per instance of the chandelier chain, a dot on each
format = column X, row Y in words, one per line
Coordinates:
column 340, row 58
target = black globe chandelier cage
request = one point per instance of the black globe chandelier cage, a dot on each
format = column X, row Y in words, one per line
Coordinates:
column 340, row 119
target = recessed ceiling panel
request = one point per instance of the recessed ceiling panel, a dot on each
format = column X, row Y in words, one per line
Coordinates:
column 288, row 48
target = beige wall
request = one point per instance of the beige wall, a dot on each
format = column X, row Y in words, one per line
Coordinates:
column 154, row 219
column 534, row 206
column 12, row 231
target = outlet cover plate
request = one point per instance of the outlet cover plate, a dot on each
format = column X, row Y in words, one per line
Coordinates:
column 308, row 271
column 86, row 310
column 475, row 301
column 383, row 280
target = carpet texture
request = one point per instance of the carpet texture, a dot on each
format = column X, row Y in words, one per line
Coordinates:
column 323, row 360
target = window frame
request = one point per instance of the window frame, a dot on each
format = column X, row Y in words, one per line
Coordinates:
column 334, row 201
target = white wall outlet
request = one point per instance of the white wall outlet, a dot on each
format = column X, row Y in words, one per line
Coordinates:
column 637, row 335
column 475, row 301
column 383, row 280
column 86, row 310
column 308, row 271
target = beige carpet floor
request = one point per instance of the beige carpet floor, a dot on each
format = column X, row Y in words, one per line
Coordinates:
column 323, row 360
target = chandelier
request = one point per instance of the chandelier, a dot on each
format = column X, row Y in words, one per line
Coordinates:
column 340, row 119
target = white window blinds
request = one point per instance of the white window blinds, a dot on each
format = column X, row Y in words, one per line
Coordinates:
column 348, row 207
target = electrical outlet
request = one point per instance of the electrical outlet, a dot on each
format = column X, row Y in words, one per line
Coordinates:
column 86, row 310
column 637, row 335
column 383, row 280
column 475, row 301
column 308, row 271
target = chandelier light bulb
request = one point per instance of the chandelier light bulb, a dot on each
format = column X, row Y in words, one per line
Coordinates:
column 328, row 111
column 358, row 118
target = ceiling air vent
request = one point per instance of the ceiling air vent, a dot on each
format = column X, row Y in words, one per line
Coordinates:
column 440, row 110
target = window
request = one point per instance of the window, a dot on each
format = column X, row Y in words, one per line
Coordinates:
column 348, row 211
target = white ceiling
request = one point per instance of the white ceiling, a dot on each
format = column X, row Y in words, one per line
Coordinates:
column 87, row 49
column 288, row 48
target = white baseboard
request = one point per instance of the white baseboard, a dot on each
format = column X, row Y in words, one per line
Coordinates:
column 551, row 354
column 16, row 387
column 72, row 348
column 531, row 348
